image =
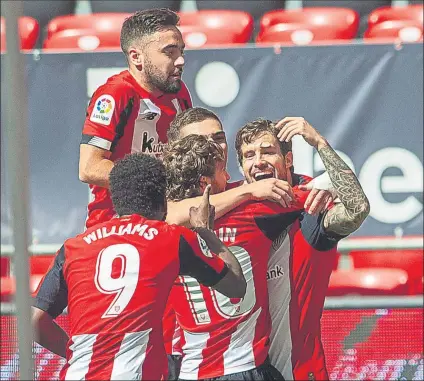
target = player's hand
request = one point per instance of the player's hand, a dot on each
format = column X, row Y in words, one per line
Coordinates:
column 318, row 200
column 203, row 216
column 292, row 126
column 272, row 189
column 321, row 194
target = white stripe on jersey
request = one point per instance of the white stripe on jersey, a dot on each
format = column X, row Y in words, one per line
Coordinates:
column 239, row 356
column 145, row 129
column 279, row 291
column 195, row 298
column 128, row 362
column 100, row 143
column 82, row 351
column 192, row 349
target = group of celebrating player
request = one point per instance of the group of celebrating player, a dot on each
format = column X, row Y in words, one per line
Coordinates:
column 180, row 274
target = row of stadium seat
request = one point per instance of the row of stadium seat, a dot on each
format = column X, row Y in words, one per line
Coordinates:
column 374, row 273
column 217, row 27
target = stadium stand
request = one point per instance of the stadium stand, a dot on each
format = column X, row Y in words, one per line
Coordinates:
column 83, row 40
column 410, row 261
column 302, row 26
column 125, row 6
column 363, row 8
column 28, row 30
column 4, row 266
column 100, row 22
column 368, row 281
column 412, row 12
column 256, row 8
column 396, row 30
column 45, row 10
column 214, row 27
column 38, row 266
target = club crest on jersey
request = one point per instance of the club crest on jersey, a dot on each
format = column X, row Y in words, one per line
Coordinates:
column 103, row 110
column 204, row 247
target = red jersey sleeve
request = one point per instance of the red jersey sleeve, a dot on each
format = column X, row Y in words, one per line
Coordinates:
column 107, row 114
column 197, row 261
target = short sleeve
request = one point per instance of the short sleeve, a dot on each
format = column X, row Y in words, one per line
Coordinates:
column 107, row 115
column 51, row 295
column 197, row 261
column 312, row 228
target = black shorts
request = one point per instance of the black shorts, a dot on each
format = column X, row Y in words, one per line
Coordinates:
column 174, row 366
column 264, row 372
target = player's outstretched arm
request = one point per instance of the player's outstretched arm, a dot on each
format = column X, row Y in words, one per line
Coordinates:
column 94, row 165
column 47, row 333
column 268, row 189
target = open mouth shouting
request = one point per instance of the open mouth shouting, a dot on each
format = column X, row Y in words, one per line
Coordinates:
column 262, row 175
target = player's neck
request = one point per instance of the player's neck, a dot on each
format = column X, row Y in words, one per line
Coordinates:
column 139, row 78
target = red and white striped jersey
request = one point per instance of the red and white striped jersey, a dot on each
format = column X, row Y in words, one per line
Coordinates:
column 219, row 335
column 300, row 264
column 115, row 279
column 124, row 118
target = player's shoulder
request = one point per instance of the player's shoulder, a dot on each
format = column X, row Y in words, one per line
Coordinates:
column 117, row 85
column 299, row 179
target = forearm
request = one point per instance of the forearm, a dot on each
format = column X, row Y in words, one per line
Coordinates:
column 218, row 248
column 354, row 207
column 50, row 335
column 97, row 173
column 178, row 212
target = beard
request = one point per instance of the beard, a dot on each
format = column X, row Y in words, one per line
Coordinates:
column 160, row 81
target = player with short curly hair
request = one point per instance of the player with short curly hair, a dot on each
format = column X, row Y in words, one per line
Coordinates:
column 190, row 163
column 148, row 179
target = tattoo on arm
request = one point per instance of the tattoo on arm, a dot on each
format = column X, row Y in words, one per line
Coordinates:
column 346, row 217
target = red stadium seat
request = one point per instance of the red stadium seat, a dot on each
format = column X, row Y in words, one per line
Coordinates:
column 298, row 34
column 411, row 12
column 397, row 30
column 8, row 286
column 4, row 266
column 39, row 264
column 411, row 261
column 28, row 31
column 101, row 22
column 369, row 281
column 83, row 40
column 313, row 24
column 215, row 27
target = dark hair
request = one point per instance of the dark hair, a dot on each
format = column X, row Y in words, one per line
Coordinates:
column 186, row 161
column 144, row 23
column 189, row 116
column 254, row 129
column 138, row 185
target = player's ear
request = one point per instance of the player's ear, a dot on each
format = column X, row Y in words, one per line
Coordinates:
column 289, row 159
column 135, row 56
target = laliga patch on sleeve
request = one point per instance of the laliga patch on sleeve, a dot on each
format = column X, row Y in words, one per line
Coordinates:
column 103, row 110
column 204, row 247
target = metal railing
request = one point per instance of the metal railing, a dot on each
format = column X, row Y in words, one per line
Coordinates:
column 331, row 303
column 344, row 246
